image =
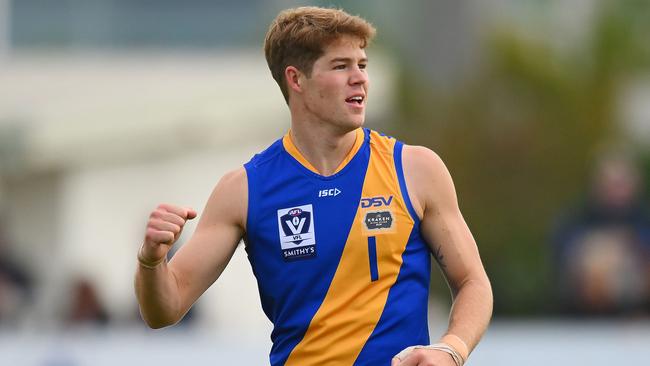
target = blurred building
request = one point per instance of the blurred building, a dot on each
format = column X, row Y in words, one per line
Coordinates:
column 108, row 108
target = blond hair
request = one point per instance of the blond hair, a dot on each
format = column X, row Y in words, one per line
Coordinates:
column 297, row 37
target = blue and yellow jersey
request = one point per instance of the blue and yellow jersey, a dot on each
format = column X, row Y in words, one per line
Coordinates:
column 342, row 270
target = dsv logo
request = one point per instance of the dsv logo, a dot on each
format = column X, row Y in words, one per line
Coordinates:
column 376, row 201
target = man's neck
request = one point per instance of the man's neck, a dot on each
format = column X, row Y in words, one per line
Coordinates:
column 323, row 146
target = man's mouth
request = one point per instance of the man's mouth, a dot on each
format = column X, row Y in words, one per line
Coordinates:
column 356, row 99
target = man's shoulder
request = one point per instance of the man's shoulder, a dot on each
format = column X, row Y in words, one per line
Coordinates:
column 232, row 185
column 235, row 177
column 427, row 176
column 229, row 198
column 421, row 158
column 265, row 155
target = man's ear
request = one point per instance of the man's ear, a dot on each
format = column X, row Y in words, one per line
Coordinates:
column 294, row 77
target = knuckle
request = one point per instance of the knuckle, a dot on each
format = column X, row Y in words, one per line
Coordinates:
column 150, row 235
column 152, row 227
column 418, row 353
column 173, row 219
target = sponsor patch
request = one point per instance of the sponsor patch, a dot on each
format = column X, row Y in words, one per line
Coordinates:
column 378, row 201
column 296, row 229
column 376, row 222
column 376, row 215
column 379, row 220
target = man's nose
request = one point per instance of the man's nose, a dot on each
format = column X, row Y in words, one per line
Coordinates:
column 359, row 76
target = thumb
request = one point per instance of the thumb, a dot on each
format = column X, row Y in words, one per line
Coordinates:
column 400, row 358
column 191, row 214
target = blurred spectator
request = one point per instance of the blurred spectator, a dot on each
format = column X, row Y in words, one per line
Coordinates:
column 602, row 248
column 15, row 286
column 86, row 308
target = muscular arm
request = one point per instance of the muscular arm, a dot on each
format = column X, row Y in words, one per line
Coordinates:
column 443, row 227
column 167, row 291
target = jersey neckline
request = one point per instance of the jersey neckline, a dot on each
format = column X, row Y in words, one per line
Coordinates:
column 293, row 151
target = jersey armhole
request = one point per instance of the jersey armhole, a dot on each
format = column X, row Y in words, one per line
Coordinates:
column 397, row 156
column 251, row 209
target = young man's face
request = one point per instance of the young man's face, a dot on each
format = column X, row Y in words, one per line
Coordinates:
column 337, row 90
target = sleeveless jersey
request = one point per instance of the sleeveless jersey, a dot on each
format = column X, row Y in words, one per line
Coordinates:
column 342, row 271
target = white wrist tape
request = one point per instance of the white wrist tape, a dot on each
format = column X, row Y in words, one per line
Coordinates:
column 149, row 265
column 438, row 347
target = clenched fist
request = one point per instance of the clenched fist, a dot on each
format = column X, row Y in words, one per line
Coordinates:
column 163, row 229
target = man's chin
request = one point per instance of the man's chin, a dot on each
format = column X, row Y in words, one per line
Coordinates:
column 351, row 123
column 358, row 121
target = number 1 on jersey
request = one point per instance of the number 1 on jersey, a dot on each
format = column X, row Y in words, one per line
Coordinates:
column 372, row 256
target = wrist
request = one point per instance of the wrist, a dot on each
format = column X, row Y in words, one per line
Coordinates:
column 457, row 344
column 441, row 347
column 148, row 264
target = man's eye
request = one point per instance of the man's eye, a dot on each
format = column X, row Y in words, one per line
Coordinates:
column 339, row 67
column 362, row 66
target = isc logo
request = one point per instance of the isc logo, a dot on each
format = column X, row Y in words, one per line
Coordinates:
column 333, row 192
column 376, row 201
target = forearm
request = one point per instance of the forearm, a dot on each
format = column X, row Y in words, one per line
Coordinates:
column 158, row 295
column 471, row 312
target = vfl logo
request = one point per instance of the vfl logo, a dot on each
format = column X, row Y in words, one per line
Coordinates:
column 376, row 201
column 296, row 229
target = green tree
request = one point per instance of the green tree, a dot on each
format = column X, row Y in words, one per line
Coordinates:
column 519, row 139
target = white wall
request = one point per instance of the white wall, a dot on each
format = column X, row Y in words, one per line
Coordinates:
column 103, row 215
column 103, row 138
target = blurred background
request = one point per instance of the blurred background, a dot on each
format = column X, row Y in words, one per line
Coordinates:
column 541, row 110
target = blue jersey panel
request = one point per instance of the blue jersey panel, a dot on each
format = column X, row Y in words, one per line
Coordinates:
column 297, row 226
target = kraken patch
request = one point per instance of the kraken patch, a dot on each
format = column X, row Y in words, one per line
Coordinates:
column 378, row 221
